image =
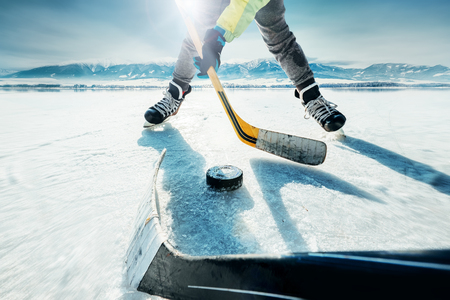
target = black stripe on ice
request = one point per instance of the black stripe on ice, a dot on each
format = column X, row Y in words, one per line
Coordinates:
column 169, row 273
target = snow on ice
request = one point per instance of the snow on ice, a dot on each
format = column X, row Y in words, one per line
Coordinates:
column 74, row 166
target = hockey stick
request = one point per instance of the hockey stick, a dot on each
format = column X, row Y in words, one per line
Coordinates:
column 298, row 149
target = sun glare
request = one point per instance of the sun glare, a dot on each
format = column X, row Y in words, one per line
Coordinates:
column 189, row 5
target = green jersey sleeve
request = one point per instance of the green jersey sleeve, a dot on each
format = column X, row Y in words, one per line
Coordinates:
column 238, row 15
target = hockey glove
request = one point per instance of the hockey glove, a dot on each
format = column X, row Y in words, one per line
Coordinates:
column 213, row 44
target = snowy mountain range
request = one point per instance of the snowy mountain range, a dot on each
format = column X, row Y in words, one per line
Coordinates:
column 256, row 69
column 4, row 72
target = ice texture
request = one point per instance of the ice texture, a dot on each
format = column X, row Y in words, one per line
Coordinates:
column 74, row 166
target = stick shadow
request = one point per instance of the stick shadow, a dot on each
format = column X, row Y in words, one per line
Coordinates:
column 203, row 220
column 401, row 164
column 273, row 176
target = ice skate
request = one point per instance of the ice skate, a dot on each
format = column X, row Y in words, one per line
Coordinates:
column 168, row 106
column 323, row 111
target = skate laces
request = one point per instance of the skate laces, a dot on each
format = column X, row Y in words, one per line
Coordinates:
column 320, row 109
column 168, row 105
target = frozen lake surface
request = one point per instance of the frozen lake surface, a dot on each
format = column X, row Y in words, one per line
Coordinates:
column 75, row 165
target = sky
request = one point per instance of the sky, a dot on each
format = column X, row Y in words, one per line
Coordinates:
column 346, row 33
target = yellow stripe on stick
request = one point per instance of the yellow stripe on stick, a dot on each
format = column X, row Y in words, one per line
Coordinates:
column 246, row 133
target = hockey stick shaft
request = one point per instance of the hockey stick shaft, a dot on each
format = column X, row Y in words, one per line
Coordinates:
column 298, row 149
column 246, row 133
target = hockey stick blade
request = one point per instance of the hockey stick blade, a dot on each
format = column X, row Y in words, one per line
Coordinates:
column 298, row 149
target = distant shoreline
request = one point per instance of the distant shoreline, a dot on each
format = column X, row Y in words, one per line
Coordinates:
column 356, row 85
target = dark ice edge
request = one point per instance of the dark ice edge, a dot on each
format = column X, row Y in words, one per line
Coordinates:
column 156, row 268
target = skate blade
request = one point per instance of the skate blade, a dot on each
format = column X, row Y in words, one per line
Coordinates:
column 148, row 125
column 338, row 135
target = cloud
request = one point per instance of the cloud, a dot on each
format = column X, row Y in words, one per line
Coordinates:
column 51, row 32
column 35, row 33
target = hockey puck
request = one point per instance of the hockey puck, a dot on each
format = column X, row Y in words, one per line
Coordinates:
column 224, row 177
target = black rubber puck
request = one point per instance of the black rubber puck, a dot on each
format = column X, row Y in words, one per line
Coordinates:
column 224, row 177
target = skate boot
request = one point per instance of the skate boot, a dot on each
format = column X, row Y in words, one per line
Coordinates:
column 323, row 111
column 168, row 106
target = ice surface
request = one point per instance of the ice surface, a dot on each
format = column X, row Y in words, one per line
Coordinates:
column 74, row 166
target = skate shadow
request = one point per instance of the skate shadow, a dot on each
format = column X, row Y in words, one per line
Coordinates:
column 403, row 165
column 272, row 176
column 200, row 221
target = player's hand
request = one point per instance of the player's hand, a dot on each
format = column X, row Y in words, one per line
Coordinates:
column 213, row 44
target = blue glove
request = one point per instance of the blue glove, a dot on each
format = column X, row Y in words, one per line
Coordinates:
column 213, row 44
